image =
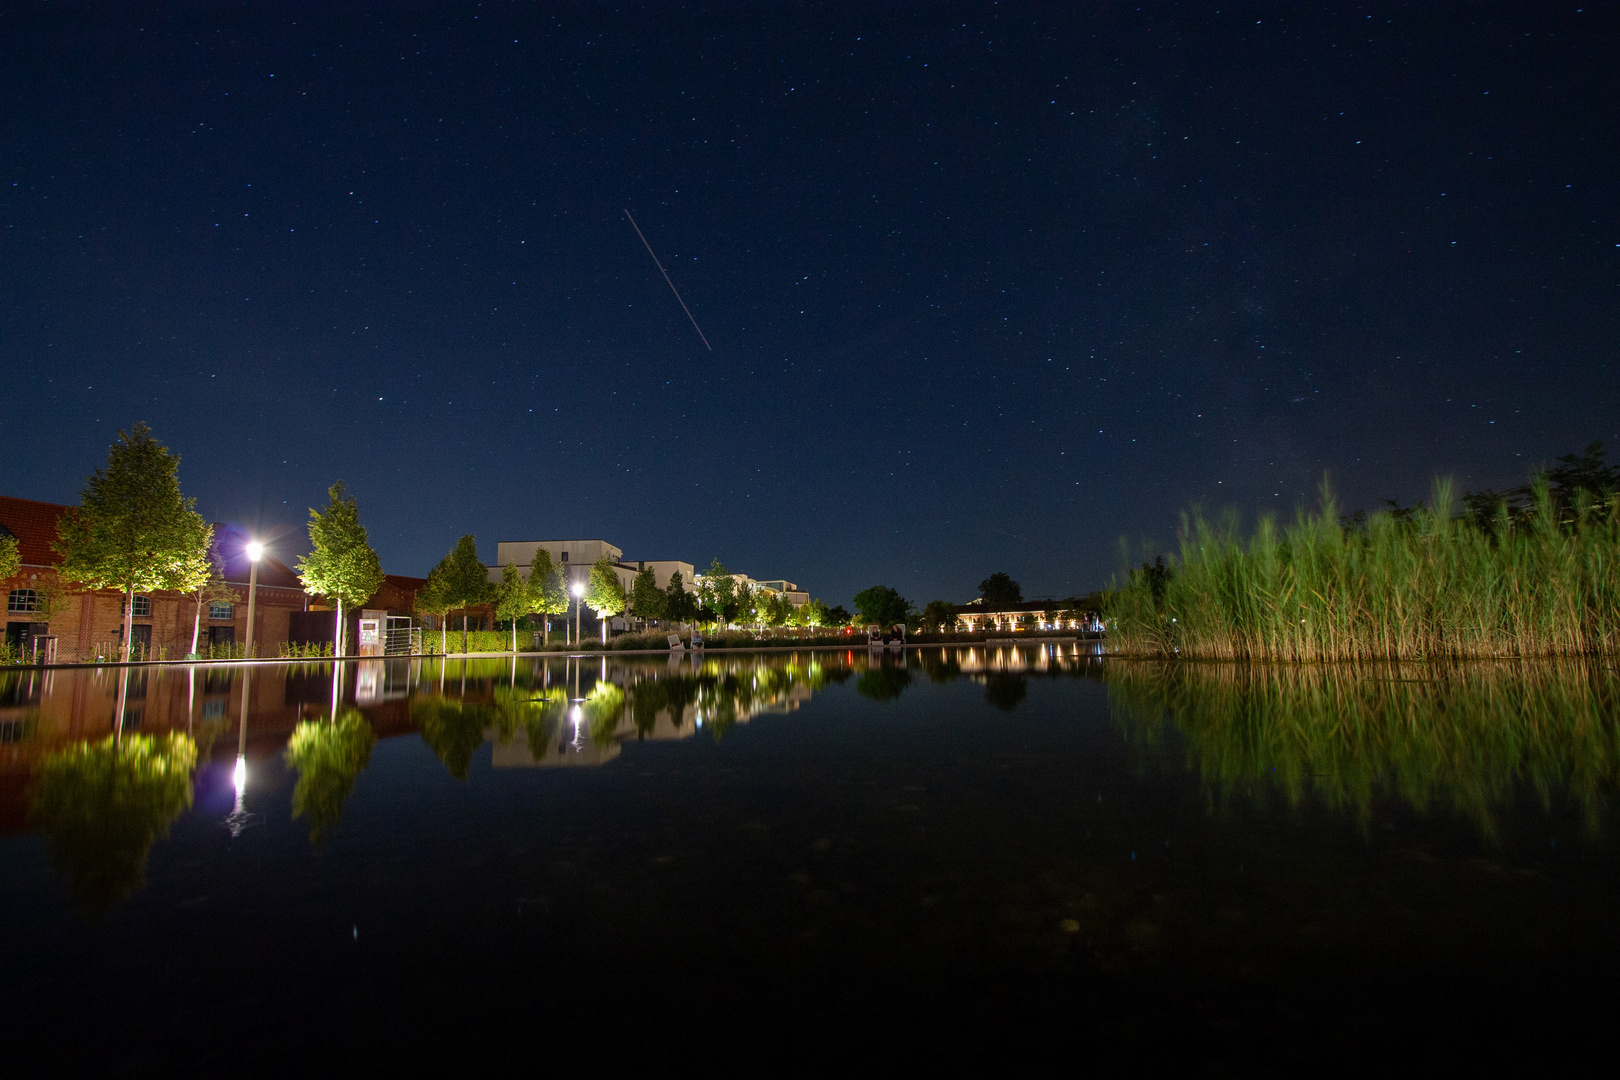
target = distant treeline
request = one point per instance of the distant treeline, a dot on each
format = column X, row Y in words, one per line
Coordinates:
column 1530, row 572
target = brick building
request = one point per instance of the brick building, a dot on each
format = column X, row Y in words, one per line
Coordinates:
column 89, row 624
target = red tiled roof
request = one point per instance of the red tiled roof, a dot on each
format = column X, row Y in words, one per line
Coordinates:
column 34, row 526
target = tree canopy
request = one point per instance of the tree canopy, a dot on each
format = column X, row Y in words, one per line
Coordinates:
column 647, row 600
column 512, row 598
column 679, row 606
column 465, row 580
column 939, row 615
column 604, row 592
column 341, row 565
column 547, row 596
column 881, row 605
column 1000, row 592
column 133, row 530
column 717, row 595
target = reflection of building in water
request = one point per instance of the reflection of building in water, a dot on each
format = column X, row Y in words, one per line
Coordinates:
column 711, row 694
column 977, row 659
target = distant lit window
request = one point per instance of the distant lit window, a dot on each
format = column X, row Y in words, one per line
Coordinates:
column 143, row 607
column 221, row 611
column 22, row 600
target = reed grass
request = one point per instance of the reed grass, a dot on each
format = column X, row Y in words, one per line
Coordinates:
column 1423, row 584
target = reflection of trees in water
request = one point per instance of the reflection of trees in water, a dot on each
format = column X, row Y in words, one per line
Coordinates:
column 1470, row 735
column 101, row 805
column 1005, row 690
column 602, row 708
column 328, row 757
column 452, row 729
column 883, row 682
column 534, row 711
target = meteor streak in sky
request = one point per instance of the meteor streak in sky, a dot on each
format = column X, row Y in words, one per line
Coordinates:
column 672, row 287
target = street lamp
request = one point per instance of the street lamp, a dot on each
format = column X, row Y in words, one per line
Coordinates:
column 579, row 592
column 255, row 552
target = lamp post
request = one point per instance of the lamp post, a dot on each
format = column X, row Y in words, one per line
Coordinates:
column 255, row 552
column 579, row 592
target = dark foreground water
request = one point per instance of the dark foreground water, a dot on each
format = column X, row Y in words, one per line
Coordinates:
column 1027, row 857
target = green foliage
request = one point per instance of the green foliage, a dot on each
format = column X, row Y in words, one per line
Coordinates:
column 717, row 595
column 604, row 592
column 133, row 531
column 647, row 600
column 461, row 581
column 603, row 708
column 535, row 712
column 547, row 596
column 1000, row 592
column 836, row 616
column 101, row 805
column 328, row 757
column 512, row 599
column 939, row 616
column 881, row 605
column 679, row 605
column 10, row 558
column 452, row 729
column 341, row 564
column 1424, row 585
column 305, row 650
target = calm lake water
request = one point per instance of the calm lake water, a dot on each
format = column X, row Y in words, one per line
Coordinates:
column 1028, row 852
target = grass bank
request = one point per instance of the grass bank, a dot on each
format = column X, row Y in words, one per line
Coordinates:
column 1414, row 584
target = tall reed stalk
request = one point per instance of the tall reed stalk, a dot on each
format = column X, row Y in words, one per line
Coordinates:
column 1426, row 584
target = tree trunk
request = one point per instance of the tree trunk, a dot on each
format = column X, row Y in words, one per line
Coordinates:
column 337, row 631
column 514, row 637
column 464, row 633
column 129, row 629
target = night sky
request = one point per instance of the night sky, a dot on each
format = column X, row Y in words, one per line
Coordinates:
column 989, row 286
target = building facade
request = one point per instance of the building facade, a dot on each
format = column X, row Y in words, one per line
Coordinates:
column 89, row 624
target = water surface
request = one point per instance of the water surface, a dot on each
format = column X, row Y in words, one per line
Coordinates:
column 937, row 849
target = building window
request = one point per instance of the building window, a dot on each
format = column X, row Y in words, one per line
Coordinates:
column 22, row 600
column 221, row 611
column 143, row 607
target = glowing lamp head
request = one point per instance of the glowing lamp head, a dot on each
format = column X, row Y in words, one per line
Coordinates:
column 579, row 589
column 255, row 551
column 239, row 775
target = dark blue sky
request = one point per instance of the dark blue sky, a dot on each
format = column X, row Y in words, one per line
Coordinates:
column 989, row 286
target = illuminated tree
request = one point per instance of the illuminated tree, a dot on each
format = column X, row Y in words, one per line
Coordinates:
column 434, row 598
column 512, row 598
column 464, row 580
column 547, row 594
column 341, row 564
column 133, row 531
column 604, row 592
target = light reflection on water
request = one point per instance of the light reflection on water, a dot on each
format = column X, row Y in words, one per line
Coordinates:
column 1021, row 808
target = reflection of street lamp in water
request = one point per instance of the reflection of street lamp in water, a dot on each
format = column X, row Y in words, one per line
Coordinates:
column 238, row 818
